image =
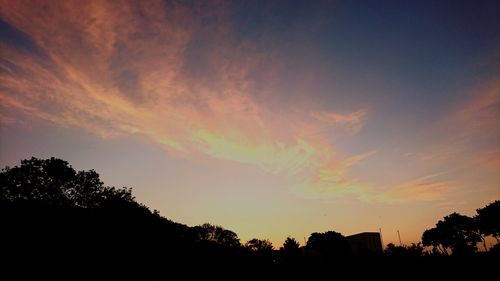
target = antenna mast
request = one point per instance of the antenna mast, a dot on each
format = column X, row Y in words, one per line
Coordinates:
column 381, row 240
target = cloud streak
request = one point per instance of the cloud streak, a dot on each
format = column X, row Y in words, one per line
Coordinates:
column 479, row 115
column 126, row 67
column 426, row 188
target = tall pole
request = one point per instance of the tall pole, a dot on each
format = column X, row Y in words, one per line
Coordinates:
column 381, row 240
column 399, row 236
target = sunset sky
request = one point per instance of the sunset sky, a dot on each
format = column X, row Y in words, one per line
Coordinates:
column 270, row 118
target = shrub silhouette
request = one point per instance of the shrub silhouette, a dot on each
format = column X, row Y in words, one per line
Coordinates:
column 414, row 250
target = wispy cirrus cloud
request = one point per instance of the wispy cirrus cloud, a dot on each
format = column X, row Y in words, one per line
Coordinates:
column 129, row 68
column 177, row 75
column 425, row 188
column 478, row 116
column 334, row 180
column 465, row 143
column 469, row 132
column 352, row 121
column 489, row 159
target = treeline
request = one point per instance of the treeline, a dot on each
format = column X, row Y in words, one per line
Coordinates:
column 56, row 217
column 457, row 235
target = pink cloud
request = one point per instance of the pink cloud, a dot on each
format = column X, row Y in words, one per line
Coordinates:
column 122, row 68
column 426, row 188
column 352, row 121
column 478, row 115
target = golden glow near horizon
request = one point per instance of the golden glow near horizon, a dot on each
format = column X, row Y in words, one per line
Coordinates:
column 180, row 78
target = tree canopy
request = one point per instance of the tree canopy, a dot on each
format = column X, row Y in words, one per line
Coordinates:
column 291, row 245
column 54, row 182
column 488, row 219
column 259, row 245
column 330, row 244
column 218, row 235
column 456, row 232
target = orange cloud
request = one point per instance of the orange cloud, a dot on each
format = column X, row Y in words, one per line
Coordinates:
column 352, row 121
column 479, row 115
column 332, row 180
column 467, row 137
column 489, row 159
column 127, row 67
column 124, row 68
column 426, row 188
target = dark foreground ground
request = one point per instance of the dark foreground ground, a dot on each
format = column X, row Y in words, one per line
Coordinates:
column 44, row 266
column 54, row 243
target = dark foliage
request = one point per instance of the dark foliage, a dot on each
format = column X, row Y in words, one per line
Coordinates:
column 412, row 251
column 456, row 232
column 54, row 219
column 328, row 245
column 54, row 216
column 488, row 219
column 290, row 253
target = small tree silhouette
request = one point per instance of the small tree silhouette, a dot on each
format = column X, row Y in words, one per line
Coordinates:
column 260, row 246
column 290, row 252
column 218, row 234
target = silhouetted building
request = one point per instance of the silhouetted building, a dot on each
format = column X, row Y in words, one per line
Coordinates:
column 365, row 243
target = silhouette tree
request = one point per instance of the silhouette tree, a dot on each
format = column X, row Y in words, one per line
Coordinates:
column 260, row 246
column 48, row 207
column 329, row 244
column 488, row 219
column 54, row 182
column 290, row 252
column 433, row 237
column 218, row 234
column 36, row 179
column 456, row 232
column 261, row 251
column 291, row 245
